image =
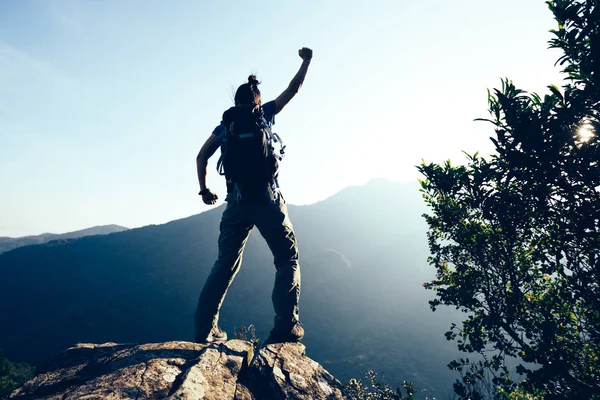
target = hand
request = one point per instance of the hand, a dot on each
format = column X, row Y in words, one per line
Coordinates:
column 305, row 53
column 209, row 197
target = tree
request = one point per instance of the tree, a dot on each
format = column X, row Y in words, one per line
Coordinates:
column 515, row 237
column 12, row 375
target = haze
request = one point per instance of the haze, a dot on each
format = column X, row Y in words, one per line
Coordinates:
column 104, row 104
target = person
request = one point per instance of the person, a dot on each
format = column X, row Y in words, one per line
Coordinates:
column 262, row 206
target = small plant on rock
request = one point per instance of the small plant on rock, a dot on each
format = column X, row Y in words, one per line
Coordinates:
column 248, row 334
column 376, row 389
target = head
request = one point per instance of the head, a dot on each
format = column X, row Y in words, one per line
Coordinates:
column 248, row 93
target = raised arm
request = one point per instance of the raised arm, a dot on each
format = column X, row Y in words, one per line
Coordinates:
column 289, row 93
column 208, row 149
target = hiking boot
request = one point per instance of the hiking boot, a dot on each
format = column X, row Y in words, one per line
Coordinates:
column 215, row 335
column 293, row 335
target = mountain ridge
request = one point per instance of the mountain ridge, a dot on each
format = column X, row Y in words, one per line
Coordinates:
column 141, row 285
column 11, row 243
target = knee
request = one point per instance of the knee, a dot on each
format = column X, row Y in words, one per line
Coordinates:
column 287, row 259
column 225, row 266
column 287, row 254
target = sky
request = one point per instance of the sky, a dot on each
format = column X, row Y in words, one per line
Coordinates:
column 104, row 104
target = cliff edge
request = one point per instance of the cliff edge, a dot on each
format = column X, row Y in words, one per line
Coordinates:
column 182, row 370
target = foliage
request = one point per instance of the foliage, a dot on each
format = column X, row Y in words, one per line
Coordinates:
column 374, row 389
column 12, row 375
column 248, row 334
column 515, row 238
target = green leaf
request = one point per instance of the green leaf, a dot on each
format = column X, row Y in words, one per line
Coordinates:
column 556, row 91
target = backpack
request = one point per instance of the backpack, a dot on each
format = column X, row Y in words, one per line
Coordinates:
column 248, row 159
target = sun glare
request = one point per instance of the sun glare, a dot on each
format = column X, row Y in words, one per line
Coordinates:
column 585, row 133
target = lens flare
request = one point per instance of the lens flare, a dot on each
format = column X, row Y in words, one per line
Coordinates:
column 585, row 133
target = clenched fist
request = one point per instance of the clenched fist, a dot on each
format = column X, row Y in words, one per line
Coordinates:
column 209, row 197
column 305, row 53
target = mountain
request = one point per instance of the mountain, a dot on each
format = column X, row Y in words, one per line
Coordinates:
column 363, row 259
column 7, row 243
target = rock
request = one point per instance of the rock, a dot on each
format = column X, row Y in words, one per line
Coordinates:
column 282, row 371
column 183, row 371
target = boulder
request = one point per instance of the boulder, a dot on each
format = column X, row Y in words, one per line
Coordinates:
column 184, row 371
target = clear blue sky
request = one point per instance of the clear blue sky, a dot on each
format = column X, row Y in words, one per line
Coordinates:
column 105, row 104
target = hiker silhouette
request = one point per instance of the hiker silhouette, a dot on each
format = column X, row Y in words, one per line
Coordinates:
column 250, row 165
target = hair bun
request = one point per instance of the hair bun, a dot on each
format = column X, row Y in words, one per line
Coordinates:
column 252, row 80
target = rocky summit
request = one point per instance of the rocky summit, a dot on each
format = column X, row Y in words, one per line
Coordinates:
column 182, row 370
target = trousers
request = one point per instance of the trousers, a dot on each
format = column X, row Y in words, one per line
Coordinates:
column 270, row 216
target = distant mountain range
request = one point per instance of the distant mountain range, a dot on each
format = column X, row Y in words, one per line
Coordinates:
column 8, row 243
column 363, row 260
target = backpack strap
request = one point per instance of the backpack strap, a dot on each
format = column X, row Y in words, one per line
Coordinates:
column 220, row 167
column 277, row 139
column 274, row 137
column 237, row 192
